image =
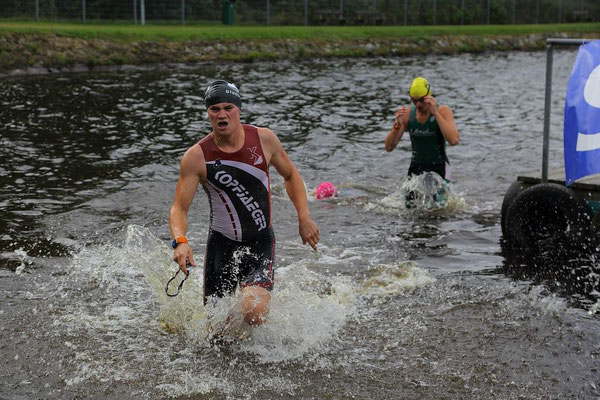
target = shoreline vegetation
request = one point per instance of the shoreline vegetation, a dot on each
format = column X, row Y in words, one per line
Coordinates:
column 30, row 47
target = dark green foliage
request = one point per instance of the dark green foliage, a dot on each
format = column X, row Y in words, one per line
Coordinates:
column 292, row 12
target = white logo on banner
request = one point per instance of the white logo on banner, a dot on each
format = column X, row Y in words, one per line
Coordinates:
column 591, row 94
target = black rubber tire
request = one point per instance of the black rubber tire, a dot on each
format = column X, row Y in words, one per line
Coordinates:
column 595, row 224
column 595, row 230
column 548, row 218
column 511, row 194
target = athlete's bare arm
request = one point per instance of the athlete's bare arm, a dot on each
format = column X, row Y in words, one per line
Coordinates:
column 192, row 172
column 400, row 124
column 445, row 120
column 276, row 156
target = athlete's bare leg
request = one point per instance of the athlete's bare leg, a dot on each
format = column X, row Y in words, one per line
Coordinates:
column 255, row 304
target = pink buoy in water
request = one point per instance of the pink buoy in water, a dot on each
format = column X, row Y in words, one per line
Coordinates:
column 325, row 190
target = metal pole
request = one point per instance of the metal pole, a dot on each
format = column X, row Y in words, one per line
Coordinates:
column 143, row 12
column 182, row 12
column 305, row 12
column 514, row 9
column 37, row 10
column 341, row 8
column 537, row 11
column 83, row 10
column 434, row 12
column 548, row 99
column 560, row 11
column 135, row 12
column 268, row 13
column 405, row 11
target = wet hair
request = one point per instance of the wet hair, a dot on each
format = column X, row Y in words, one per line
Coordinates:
column 222, row 92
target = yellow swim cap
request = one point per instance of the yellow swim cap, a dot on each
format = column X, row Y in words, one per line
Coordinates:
column 419, row 88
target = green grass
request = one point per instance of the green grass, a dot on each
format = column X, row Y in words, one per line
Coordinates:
column 128, row 32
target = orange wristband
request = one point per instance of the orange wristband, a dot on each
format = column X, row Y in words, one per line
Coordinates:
column 178, row 240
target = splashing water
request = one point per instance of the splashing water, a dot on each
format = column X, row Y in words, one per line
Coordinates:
column 426, row 193
column 129, row 322
column 395, row 279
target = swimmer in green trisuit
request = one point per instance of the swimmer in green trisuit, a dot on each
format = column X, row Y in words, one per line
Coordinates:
column 430, row 126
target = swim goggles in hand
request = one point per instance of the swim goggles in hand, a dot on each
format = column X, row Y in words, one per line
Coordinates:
column 189, row 267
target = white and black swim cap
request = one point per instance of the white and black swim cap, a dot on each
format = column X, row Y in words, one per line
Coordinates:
column 222, row 92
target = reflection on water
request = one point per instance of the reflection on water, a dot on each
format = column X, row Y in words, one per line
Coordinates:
column 397, row 302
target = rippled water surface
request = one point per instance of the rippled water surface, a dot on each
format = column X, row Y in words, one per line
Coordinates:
column 395, row 304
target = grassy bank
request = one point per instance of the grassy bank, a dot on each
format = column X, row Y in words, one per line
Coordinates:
column 122, row 33
column 58, row 45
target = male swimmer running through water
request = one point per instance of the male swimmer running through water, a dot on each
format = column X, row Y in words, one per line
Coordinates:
column 232, row 164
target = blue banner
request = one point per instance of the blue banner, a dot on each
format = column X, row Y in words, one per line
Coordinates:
column 582, row 115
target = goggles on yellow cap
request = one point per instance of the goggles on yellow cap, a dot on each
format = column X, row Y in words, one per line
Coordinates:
column 419, row 88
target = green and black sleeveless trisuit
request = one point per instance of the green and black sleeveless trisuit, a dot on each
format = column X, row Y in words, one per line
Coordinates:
column 428, row 146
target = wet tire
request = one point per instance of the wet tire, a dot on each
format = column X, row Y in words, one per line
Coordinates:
column 511, row 194
column 548, row 219
column 595, row 230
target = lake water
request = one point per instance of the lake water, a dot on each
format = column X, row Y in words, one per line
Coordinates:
column 396, row 303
